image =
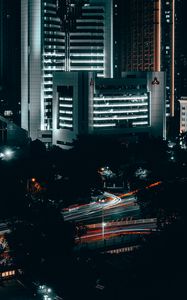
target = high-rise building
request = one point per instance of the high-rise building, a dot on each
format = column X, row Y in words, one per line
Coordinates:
column 148, row 40
column 183, row 114
column 181, row 48
column 127, row 106
column 10, row 92
column 181, row 67
column 1, row 44
column 118, row 32
column 183, row 75
column 142, row 35
column 60, row 35
column 168, row 61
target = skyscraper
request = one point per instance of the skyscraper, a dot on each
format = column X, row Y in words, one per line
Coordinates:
column 60, row 35
column 1, row 44
column 118, row 31
column 181, row 48
column 147, row 40
column 143, row 35
column 10, row 58
column 168, row 44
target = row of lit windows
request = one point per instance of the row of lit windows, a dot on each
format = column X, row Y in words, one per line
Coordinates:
column 7, row 274
column 124, row 124
column 115, row 117
column 65, row 118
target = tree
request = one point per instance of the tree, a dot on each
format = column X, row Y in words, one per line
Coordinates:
column 42, row 242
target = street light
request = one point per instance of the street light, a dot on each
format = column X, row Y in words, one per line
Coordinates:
column 103, row 229
column 7, row 154
column 2, row 155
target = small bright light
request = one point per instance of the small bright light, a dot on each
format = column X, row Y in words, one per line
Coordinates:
column 8, row 153
column 41, row 287
column 49, row 290
column 104, row 224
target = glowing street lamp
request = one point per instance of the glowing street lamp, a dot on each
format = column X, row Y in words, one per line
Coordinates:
column 8, row 154
column 103, row 229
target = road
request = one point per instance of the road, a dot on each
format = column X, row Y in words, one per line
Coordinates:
column 109, row 208
column 116, row 229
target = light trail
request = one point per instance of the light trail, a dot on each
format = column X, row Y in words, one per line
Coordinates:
column 85, row 212
column 93, row 236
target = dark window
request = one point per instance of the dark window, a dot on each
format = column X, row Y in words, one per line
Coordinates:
column 64, row 143
column 46, row 136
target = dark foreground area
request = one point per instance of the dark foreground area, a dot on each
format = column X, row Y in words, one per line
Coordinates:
column 14, row 290
column 37, row 184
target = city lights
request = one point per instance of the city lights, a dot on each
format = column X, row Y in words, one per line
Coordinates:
column 93, row 149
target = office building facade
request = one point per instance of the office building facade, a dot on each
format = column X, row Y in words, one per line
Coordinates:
column 60, row 36
column 148, row 40
column 142, row 35
column 10, row 91
column 168, row 54
column 85, row 104
column 183, row 114
column 72, row 94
